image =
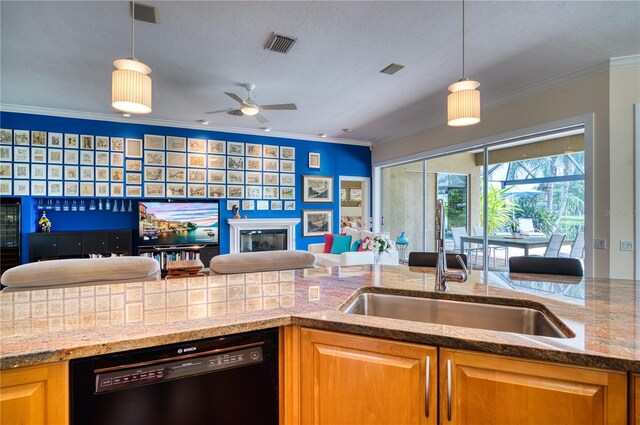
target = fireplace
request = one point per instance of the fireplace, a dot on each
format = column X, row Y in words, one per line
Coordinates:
column 262, row 234
column 263, row 240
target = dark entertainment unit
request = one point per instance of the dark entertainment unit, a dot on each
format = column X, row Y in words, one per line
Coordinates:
column 85, row 244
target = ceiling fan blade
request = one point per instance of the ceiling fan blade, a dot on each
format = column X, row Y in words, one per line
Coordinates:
column 235, row 97
column 280, row 106
column 261, row 118
column 221, row 110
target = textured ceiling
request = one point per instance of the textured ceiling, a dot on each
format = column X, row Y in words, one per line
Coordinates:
column 59, row 55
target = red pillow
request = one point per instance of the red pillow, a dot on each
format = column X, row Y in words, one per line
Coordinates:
column 364, row 242
column 328, row 242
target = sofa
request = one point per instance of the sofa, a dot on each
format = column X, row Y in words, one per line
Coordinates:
column 352, row 258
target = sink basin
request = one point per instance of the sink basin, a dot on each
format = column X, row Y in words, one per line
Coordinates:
column 495, row 317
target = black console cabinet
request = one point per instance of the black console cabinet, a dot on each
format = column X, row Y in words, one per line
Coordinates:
column 56, row 245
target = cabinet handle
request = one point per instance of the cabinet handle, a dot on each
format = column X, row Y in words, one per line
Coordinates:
column 426, row 387
column 449, row 390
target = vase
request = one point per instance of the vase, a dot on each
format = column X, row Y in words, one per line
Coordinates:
column 377, row 258
column 402, row 239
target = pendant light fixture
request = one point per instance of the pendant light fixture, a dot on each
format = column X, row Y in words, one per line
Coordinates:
column 463, row 103
column 130, row 81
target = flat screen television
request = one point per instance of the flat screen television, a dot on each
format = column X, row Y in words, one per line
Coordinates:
column 178, row 223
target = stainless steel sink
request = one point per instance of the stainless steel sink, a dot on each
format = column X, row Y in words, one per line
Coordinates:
column 496, row 317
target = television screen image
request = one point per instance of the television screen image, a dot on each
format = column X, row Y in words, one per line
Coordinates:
column 178, row 223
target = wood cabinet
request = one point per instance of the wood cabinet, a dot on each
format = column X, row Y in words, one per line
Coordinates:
column 35, row 395
column 347, row 379
column 55, row 245
column 634, row 400
column 488, row 389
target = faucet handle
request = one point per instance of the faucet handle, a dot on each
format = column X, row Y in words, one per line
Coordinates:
column 460, row 276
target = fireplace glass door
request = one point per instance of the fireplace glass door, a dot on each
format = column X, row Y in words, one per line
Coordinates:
column 263, row 240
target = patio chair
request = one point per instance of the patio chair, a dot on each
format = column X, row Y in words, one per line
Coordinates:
column 457, row 232
column 542, row 265
column 479, row 231
column 526, row 227
column 577, row 248
column 554, row 245
column 429, row 259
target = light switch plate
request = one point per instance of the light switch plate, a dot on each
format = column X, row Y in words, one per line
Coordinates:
column 599, row 243
column 626, row 245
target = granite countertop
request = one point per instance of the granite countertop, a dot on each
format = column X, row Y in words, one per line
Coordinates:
column 48, row 325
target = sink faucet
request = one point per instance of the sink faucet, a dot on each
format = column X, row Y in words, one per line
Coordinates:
column 443, row 275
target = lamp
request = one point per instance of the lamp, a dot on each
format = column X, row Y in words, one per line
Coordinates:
column 249, row 107
column 463, row 103
column 130, row 81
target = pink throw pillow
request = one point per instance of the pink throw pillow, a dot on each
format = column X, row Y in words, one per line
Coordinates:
column 362, row 245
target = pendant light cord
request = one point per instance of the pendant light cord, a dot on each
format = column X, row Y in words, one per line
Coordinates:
column 133, row 30
column 463, row 39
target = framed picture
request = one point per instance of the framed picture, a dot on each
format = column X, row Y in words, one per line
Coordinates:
column 86, row 173
column 102, row 174
column 235, row 148
column 39, row 138
column 317, row 189
column 254, row 164
column 86, row 189
column 151, row 142
column 270, row 179
column 21, row 171
column 314, row 160
column 6, row 154
column 287, row 166
column 254, row 192
column 216, row 147
column 70, row 157
column 175, row 190
column 276, row 205
column 230, row 205
column 355, row 195
column 86, row 142
column 343, row 194
column 5, row 187
column 176, row 159
column 287, row 193
column 37, row 154
column 178, row 144
column 270, row 193
column 253, row 177
column 197, row 160
column 86, row 157
column 21, row 154
column 262, row 205
column 197, row 145
column 38, row 188
column 117, row 159
column 6, row 137
column 102, row 143
column 21, row 137
column 287, row 152
column 235, row 162
column 235, row 191
column 317, row 222
column 271, row 151
column 55, row 156
column 153, row 158
column 134, row 178
column 21, row 187
column 102, row 189
column 154, row 174
column 287, row 180
column 217, row 176
column 154, row 190
column 271, row 165
column 196, row 176
column 196, row 191
column 71, row 141
column 55, row 140
column 117, row 190
column 248, row 205
column 289, row 205
column 216, row 161
column 117, row 144
column 178, row 175
column 254, row 149
column 134, row 192
column 39, row 171
column 117, row 175
column 235, row 177
column 71, row 172
column 134, row 147
column 217, row 191
column 132, row 165
column 70, row 189
column 6, row 171
column 102, row 158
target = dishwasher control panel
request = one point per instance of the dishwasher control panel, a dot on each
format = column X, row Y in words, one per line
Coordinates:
column 129, row 376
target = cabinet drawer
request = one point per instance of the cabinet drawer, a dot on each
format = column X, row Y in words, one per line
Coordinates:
column 119, row 242
column 94, row 243
column 70, row 245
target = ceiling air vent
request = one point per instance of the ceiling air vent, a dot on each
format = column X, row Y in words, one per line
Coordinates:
column 146, row 13
column 392, row 69
column 280, row 43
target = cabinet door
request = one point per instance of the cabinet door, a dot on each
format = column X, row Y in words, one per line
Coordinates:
column 207, row 253
column 635, row 400
column 119, row 242
column 348, row 379
column 43, row 245
column 35, row 395
column 70, row 245
column 488, row 389
column 94, row 243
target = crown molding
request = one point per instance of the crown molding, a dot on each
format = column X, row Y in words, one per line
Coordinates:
column 621, row 62
column 37, row 110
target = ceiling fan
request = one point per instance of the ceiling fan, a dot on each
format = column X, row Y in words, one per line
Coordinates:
column 249, row 107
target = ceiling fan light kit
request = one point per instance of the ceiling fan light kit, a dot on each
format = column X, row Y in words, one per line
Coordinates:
column 463, row 103
column 131, row 86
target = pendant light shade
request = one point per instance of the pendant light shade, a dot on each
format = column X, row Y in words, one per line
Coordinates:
column 131, row 87
column 249, row 108
column 463, row 103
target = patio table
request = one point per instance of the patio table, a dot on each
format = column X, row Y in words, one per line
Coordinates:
column 523, row 242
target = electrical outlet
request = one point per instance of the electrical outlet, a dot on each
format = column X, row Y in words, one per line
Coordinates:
column 600, row 243
column 626, row 245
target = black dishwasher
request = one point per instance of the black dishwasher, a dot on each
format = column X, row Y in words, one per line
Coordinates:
column 224, row 380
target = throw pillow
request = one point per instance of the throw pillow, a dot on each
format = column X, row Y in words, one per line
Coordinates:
column 341, row 244
column 364, row 242
column 356, row 245
column 328, row 242
column 355, row 234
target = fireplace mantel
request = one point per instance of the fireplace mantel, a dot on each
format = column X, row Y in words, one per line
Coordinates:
column 236, row 225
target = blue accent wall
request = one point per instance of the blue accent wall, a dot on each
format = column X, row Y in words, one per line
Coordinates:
column 336, row 160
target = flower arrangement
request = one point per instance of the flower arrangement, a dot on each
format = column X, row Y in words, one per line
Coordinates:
column 44, row 222
column 514, row 227
column 378, row 244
